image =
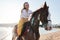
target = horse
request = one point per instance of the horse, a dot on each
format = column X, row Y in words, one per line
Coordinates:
column 30, row 29
column 40, row 15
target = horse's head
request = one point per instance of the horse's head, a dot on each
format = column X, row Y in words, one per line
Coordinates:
column 43, row 15
column 40, row 15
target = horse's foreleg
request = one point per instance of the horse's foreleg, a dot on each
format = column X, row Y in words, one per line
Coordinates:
column 37, row 35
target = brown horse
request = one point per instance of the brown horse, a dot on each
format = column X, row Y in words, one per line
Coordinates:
column 30, row 29
column 40, row 15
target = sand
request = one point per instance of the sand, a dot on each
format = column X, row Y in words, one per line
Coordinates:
column 51, row 36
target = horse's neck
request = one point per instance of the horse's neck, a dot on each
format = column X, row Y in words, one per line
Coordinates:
column 33, row 21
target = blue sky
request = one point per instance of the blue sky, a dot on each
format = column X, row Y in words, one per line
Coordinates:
column 10, row 9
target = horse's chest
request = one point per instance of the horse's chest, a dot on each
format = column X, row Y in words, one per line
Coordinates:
column 26, row 31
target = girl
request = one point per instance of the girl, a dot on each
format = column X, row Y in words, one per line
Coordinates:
column 25, row 13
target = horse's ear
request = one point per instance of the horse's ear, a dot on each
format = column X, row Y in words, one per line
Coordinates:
column 45, row 5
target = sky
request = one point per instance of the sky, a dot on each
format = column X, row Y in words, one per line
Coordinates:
column 10, row 10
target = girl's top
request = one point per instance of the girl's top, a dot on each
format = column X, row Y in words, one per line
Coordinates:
column 25, row 14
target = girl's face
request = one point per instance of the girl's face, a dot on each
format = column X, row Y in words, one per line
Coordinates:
column 26, row 6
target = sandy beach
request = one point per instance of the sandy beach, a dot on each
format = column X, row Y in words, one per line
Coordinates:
column 54, row 34
column 51, row 36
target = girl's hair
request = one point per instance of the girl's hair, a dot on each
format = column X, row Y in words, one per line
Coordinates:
column 24, row 6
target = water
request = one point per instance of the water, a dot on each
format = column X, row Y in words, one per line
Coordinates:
column 6, row 32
